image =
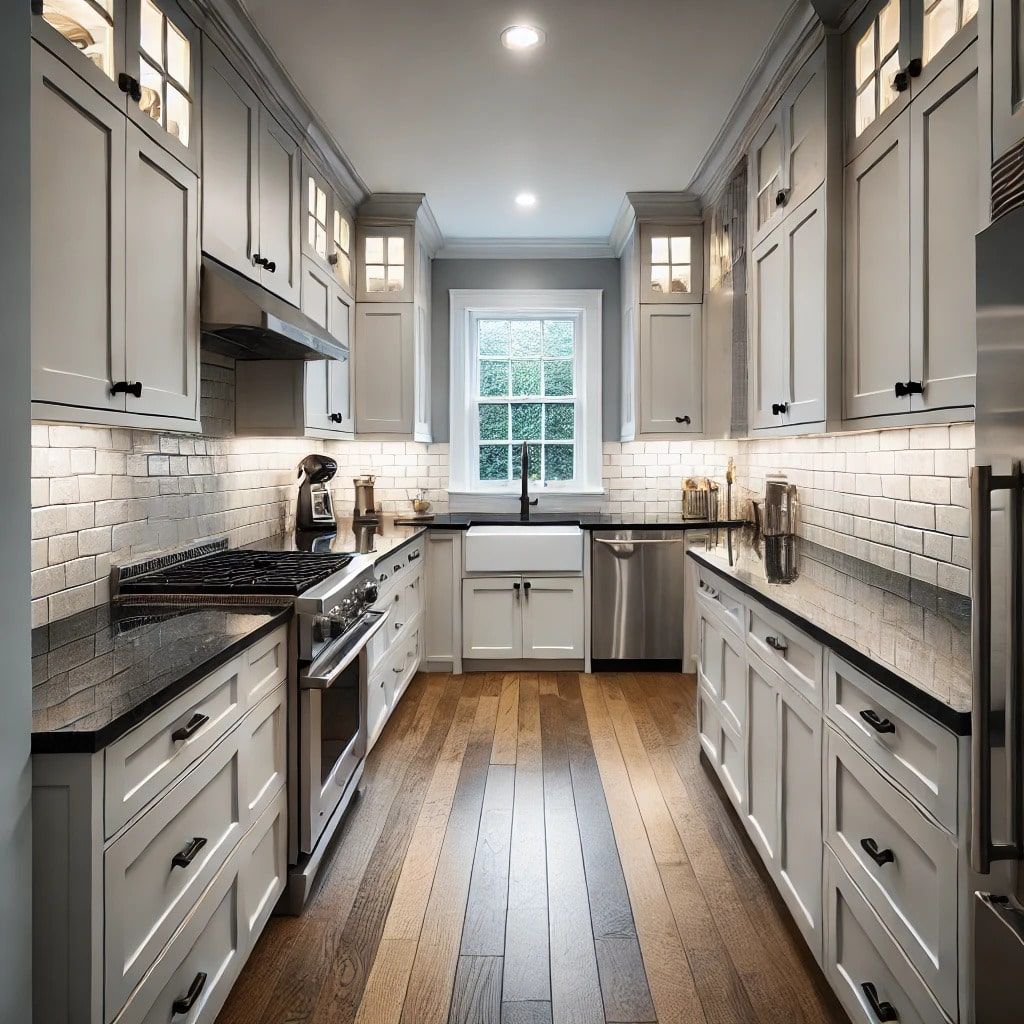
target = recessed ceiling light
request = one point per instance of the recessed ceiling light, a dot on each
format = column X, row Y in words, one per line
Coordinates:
column 521, row 37
column 526, row 200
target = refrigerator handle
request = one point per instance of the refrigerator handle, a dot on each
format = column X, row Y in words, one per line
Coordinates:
column 982, row 849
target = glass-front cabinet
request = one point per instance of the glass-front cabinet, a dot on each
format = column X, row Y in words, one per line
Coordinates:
column 327, row 227
column 140, row 54
column 671, row 263
column 386, row 262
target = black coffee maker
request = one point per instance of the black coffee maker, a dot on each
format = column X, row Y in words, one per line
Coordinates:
column 315, row 511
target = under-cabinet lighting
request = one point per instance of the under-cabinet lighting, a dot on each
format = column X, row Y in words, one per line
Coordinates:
column 521, row 37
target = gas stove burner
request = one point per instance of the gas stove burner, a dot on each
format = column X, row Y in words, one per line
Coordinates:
column 240, row 571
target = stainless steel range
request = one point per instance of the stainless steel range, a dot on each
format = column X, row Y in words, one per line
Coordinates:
column 334, row 622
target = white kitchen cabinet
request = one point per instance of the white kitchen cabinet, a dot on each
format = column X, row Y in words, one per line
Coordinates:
column 877, row 330
column 124, row 336
column 769, row 330
column 251, row 171
column 1007, row 76
column 385, row 368
column 671, row 384
column 492, row 621
column 945, row 216
column 552, row 613
column 443, row 601
column 387, row 254
column 671, row 263
column 761, row 814
column 722, row 669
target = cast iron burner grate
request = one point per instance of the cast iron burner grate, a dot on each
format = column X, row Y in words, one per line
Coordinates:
column 240, row 571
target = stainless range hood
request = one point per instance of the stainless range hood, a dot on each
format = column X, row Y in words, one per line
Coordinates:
column 241, row 320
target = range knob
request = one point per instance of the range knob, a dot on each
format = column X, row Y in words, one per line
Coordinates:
column 370, row 592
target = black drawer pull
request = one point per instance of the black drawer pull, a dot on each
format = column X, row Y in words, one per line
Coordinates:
column 187, row 1001
column 190, row 728
column 880, row 857
column 413, row 555
column 776, row 644
column 883, row 1011
column 882, row 725
column 183, row 858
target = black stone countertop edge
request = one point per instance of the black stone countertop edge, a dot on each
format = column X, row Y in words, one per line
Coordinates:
column 956, row 721
column 586, row 521
column 69, row 741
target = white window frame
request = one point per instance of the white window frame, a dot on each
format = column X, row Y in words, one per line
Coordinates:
column 583, row 306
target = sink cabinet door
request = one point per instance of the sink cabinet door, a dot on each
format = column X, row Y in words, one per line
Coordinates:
column 552, row 617
column 492, row 618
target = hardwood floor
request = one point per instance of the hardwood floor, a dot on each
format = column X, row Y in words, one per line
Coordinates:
column 538, row 849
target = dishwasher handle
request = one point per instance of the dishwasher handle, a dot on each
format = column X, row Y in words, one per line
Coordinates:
column 633, row 543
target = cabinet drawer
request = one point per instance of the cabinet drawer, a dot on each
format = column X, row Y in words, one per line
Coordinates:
column 730, row 764
column 265, row 751
column 268, row 666
column 708, row 724
column 403, row 667
column 413, row 596
column 722, row 668
column 863, row 961
column 914, row 889
column 713, row 594
column 914, row 750
column 146, row 760
column 147, row 894
column 376, row 705
column 264, row 869
column 788, row 650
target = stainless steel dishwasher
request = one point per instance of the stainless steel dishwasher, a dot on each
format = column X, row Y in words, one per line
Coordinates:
column 637, row 598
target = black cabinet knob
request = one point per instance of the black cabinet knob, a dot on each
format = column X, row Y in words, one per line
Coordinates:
column 901, row 80
column 257, row 259
column 187, row 1001
column 333, row 259
column 270, row 265
column 782, row 197
column 880, row 857
column 778, row 408
column 336, row 417
column 682, row 419
column 905, row 388
column 884, row 1012
column 130, row 85
column 124, row 387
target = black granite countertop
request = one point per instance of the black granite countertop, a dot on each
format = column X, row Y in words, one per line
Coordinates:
column 374, row 537
column 912, row 637
column 97, row 674
column 585, row 520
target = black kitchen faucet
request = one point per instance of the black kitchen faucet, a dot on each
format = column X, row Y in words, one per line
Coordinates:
column 524, row 497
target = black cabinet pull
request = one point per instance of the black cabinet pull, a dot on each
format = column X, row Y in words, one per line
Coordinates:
column 413, row 555
column 882, row 725
column 778, row 408
column 880, row 857
column 515, row 587
column 883, row 1011
column 270, row 265
column 336, row 417
column 682, row 419
column 910, row 387
column 185, row 1003
column 526, row 587
column 776, row 644
column 124, row 387
column 130, row 86
column 782, row 197
column 184, row 857
column 901, row 80
column 257, row 259
column 190, row 728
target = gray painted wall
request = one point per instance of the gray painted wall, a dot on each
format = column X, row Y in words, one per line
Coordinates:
column 15, row 419
column 602, row 273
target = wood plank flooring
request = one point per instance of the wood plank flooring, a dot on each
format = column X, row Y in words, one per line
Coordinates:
column 538, row 848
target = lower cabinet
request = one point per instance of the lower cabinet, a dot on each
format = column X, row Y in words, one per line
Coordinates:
column 154, row 921
column 509, row 618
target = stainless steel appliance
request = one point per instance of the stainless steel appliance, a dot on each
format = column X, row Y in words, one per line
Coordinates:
column 997, row 804
column 315, row 509
column 365, row 508
column 334, row 622
column 637, row 598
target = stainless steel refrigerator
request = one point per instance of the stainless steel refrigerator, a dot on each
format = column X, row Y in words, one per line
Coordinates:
column 997, row 854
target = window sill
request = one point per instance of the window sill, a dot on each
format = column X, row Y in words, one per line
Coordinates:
column 508, row 501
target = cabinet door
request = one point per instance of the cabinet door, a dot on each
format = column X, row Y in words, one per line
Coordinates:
column 552, row 617
column 279, row 209
column 421, row 398
column 316, row 224
column 230, row 165
column 386, row 257
column 877, row 331
column 671, row 263
column 944, row 218
column 767, row 187
column 339, row 371
column 163, row 56
column 162, row 295
column 671, row 393
column 762, row 811
column 876, row 47
column 492, row 618
column 805, row 296
column 769, row 333
column 317, row 298
column 341, row 256
column 803, row 117
column 941, row 30
column 799, row 830
column 1007, row 75
column 78, row 258
column 384, row 368
column 89, row 37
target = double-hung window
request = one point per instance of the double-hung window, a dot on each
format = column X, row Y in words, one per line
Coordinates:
column 526, row 369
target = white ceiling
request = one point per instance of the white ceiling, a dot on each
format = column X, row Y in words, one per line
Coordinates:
column 625, row 95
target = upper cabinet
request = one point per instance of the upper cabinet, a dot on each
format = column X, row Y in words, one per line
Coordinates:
column 396, row 238
column 327, row 235
column 671, row 263
column 142, row 55
column 251, row 182
column 1007, row 76
column 794, row 289
column 913, row 206
column 115, row 319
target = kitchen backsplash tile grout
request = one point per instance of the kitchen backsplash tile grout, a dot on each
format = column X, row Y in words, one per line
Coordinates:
column 898, row 498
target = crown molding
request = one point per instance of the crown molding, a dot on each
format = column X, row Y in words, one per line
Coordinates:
column 230, row 27
column 800, row 29
column 526, row 249
column 404, row 208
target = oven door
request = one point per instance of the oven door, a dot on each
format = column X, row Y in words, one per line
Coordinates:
column 332, row 726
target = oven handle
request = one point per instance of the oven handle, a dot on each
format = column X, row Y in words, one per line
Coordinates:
column 313, row 679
